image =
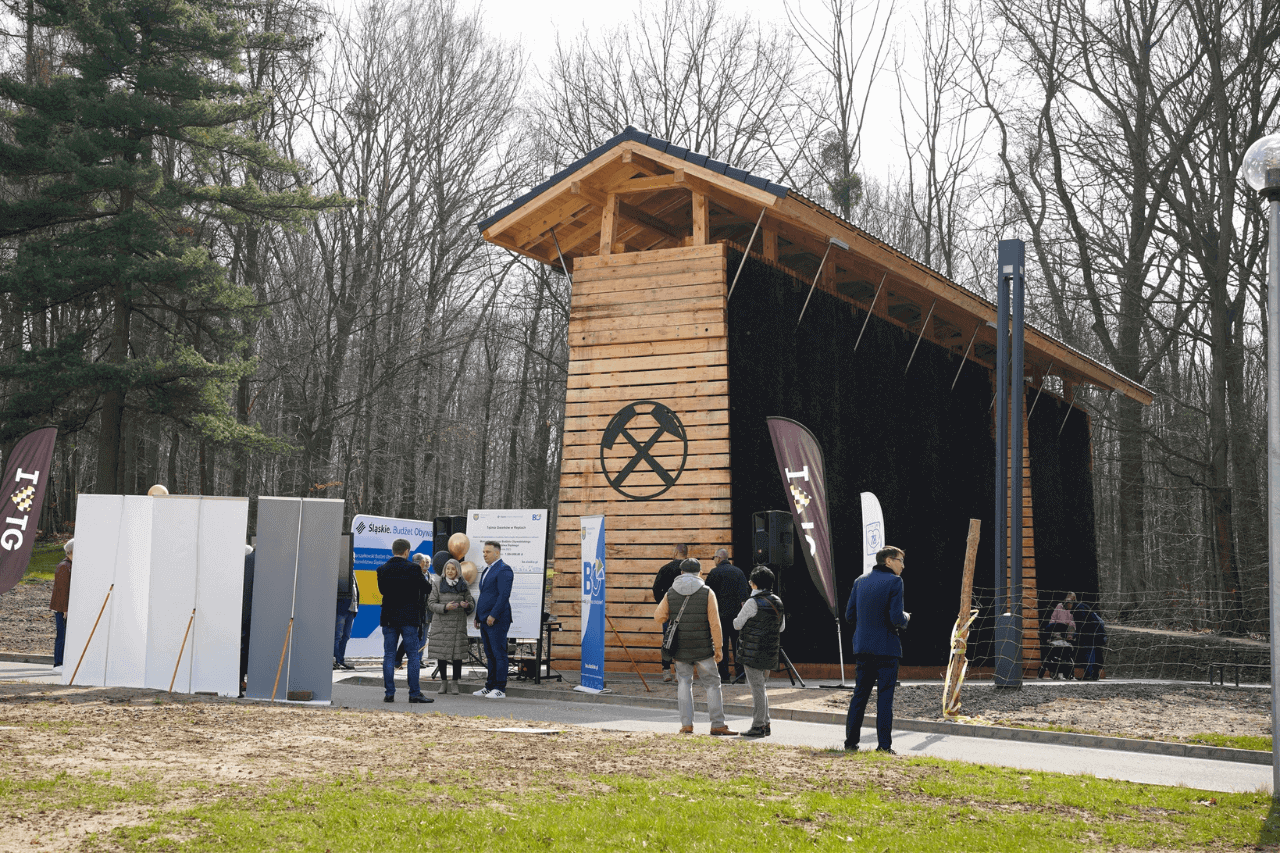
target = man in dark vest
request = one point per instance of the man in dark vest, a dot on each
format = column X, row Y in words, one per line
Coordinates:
column 697, row 645
column 730, row 586
column 661, row 583
column 403, row 588
column 759, row 622
column 876, row 614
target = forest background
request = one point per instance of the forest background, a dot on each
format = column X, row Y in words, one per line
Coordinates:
column 239, row 250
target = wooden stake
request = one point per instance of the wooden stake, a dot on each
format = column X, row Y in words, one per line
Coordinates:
column 76, row 671
column 182, row 649
column 628, row 651
column 960, row 634
column 287, row 633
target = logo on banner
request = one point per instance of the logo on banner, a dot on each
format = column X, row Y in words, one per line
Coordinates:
column 875, row 540
column 22, row 498
column 800, row 498
column 630, row 452
column 360, row 528
column 597, row 579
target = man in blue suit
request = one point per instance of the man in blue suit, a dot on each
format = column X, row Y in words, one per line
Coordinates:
column 493, row 618
column 876, row 614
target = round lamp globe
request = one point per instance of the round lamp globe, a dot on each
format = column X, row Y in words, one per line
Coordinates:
column 1262, row 157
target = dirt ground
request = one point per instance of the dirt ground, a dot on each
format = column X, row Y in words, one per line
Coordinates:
column 202, row 749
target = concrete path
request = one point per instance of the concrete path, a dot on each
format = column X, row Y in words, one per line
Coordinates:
column 1104, row 763
column 366, row 694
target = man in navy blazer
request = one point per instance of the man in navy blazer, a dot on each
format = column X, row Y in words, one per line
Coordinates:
column 876, row 614
column 493, row 618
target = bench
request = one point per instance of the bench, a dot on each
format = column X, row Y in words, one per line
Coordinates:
column 1223, row 666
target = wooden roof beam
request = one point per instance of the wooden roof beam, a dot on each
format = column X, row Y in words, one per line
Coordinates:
column 626, row 211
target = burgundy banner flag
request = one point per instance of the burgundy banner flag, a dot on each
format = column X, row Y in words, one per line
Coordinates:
column 26, row 475
column 804, row 478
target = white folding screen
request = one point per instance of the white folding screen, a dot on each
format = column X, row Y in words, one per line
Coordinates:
column 161, row 557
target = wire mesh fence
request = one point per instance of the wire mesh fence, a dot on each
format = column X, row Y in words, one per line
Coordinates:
column 1166, row 634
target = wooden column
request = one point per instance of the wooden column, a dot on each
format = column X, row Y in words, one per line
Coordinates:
column 608, row 224
column 643, row 326
column 701, row 219
column 770, row 245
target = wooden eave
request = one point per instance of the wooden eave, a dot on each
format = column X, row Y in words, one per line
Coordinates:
column 648, row 199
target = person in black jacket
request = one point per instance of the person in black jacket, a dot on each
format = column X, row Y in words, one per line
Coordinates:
column 666, row 577
column 760, row 621
column 732, row 590
column 403, row 588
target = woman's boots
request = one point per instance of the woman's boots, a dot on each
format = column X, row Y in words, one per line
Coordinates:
column 453, row 687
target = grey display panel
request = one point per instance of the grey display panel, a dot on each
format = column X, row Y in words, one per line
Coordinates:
column 296, row 537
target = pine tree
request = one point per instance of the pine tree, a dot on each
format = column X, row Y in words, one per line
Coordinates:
column 118, row 165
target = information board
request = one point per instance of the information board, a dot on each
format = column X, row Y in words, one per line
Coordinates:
column 522, row 533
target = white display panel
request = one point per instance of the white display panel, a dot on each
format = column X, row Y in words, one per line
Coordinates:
column 126, row 615
column 173, row 564
column 522, row 533
column 215, row 661
column 98, row 532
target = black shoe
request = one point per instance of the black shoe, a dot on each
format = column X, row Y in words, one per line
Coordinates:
column 851, row 749
column 885, row 750
column 755, row 731
column 420, row 700
column 344, row 665
column 768, row 730
column 388, row 698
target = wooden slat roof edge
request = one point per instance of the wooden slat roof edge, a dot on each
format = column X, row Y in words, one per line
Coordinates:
column 823, row 223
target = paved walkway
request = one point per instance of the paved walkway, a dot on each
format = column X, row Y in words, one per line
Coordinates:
column 362, row 690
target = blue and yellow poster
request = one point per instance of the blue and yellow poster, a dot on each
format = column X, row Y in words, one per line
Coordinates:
column 371, row 538
column 592, row 678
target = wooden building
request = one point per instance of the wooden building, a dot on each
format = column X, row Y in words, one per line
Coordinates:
column 671, row 376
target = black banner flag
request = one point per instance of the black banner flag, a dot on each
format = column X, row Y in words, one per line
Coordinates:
column 26, row 476
column 804, row 477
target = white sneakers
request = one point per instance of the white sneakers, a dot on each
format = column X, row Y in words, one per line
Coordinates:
column 495, row 694
column 483, row 691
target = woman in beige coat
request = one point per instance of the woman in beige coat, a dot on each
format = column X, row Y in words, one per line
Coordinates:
column 451, row 602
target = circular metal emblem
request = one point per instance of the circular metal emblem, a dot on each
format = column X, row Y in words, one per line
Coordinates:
column 637, row 437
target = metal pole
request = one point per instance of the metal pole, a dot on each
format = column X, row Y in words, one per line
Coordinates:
column 1039, row 390
column 1273, row 460
column 920, row 337
column 1002, row 437
column 1016, row 411
column 817, row 275
column 965, row 357
column 745, row 253
column 867, row 319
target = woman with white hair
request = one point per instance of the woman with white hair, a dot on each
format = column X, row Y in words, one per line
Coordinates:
column 58, row 603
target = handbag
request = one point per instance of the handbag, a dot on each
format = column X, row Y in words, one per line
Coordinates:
column 669, row 640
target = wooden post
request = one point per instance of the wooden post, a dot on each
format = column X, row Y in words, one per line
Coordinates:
column 701, row 219
column 182, row 649
column 960, row 633
column 628, row 651
column 283, row 648
column 769, row 243
column 91, row 633
column 609, row 224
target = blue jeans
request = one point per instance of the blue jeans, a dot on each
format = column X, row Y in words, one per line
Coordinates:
column 60, row 638
column 495, row 655
column 390, row 637
column 342, row 629
column 882, row 671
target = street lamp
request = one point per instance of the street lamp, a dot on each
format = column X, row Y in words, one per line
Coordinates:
column 1261, row 170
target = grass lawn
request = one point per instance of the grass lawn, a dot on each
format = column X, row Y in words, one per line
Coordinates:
column 45, row 557
column 101, row 775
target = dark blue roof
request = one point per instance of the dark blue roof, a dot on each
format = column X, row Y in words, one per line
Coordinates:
column 654, row 142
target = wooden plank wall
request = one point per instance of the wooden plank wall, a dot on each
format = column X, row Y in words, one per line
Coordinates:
column 642, row 326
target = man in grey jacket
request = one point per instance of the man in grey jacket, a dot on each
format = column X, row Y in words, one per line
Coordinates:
column 697, row 645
